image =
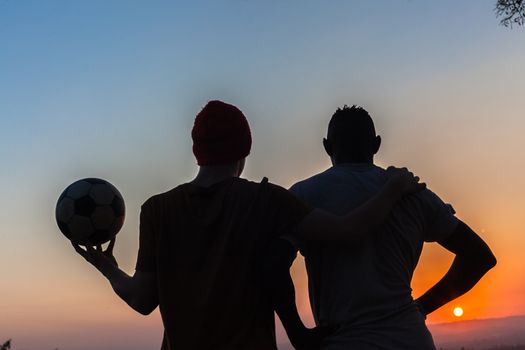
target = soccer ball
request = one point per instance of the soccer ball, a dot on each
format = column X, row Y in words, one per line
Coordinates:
column 90, row 212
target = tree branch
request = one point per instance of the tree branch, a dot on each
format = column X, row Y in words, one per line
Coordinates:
column 512, row 11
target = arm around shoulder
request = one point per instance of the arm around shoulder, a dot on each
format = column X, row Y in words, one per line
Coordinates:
column 321, row 225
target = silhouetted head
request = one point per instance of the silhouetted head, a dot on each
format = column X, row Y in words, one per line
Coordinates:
column 221, row 135
column 351, row 136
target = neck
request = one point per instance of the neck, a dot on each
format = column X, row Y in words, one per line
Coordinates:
column 209, row 175
column 353, row 160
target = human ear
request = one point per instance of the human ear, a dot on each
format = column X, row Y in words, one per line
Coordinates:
column 377, row 144
column 328, row 147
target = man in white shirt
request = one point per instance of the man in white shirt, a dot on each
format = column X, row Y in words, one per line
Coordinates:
column 362, row 292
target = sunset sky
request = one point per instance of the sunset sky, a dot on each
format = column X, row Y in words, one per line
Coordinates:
column 109, row 89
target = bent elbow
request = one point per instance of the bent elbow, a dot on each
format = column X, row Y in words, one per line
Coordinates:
column 146, row 312
column 144, row 309
column 490, row 261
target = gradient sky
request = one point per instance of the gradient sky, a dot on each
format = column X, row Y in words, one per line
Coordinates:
column 110, row 88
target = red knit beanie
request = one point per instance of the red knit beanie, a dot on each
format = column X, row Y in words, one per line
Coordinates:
column 221, row 134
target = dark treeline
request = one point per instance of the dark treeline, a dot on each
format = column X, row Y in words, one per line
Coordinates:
column 6, row 345
column 502, row 347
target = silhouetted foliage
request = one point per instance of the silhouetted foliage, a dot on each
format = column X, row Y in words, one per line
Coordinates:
column 6, row 346
column 512, row 11
column 501, row 347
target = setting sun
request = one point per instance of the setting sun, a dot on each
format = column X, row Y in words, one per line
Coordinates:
column 458, row 312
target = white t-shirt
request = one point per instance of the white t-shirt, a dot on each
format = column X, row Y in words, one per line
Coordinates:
column 363, row 289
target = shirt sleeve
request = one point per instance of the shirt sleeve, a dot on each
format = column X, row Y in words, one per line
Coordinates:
column 287, row 211
column 146, row 260
column 441, row 221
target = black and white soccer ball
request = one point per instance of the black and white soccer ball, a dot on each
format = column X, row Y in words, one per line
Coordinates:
column 90, row 211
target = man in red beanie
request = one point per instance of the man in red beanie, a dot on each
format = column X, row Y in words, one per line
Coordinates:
column 202, row 244
column 221, row 135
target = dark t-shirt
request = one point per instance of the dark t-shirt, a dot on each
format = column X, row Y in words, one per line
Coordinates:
column 205, row 245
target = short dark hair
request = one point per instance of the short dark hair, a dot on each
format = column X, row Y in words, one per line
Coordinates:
column 351, row 129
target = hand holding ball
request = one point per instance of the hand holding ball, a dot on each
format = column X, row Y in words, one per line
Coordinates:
column 90, row 212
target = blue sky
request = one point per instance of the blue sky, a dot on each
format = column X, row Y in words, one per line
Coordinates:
column 110, row 89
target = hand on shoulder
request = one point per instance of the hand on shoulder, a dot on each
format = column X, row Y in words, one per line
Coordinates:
column 403, row 182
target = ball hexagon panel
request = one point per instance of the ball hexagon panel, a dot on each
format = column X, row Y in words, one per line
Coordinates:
column 117, row 193
column 118, row 206
column 117, row 224
column 80, row 227
column 64, row 228
column 103, row 217
column 78, row 189
column 85, row 206
column 65, row 209
column 102, row 194
column 100, row 237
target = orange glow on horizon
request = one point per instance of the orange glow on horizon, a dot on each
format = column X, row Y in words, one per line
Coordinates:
column 433, row 265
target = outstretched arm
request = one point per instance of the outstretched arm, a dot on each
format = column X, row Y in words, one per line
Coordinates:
column 278, row 285
column 138, row 291
column 473, row 260
column 321, row 225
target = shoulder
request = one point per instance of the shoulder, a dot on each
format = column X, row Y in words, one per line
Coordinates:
column 241, row 182
column 278, row 194
column 264, row 185
column 439, row 216
column 314, row 179
column 431, row 204
column 159, row 198
column 278, row 190
column 303, row 187
column 427, row 196
column 244, row 188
